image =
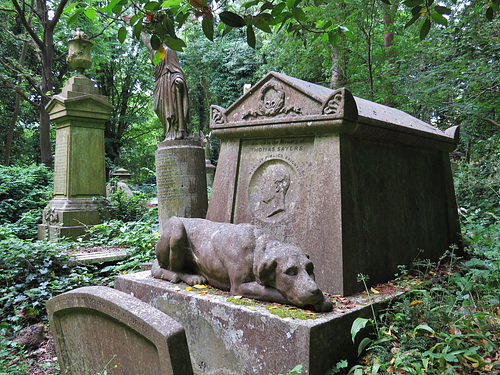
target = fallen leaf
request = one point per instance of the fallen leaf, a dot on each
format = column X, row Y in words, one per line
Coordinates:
column 374, row 291
column 188, row 288
column 198, row 286
column 272, row 307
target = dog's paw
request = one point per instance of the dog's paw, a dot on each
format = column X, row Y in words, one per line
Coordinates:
column 175, row 278
column 194, row 279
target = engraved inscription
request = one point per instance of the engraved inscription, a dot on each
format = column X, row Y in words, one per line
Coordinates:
column 61, row 162
column 170, row 185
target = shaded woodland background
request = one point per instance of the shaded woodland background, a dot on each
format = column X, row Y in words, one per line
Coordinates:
column 450, row 78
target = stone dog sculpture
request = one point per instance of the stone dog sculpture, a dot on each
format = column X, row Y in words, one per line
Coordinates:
column 237, row 257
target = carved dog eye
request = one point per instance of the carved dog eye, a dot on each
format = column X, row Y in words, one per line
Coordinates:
column 292, row 271
column 310, row 268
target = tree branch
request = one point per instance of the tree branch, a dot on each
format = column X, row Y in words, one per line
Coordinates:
column 488, row 119
column 57, row 14
column 28, row 28
column 104, row 28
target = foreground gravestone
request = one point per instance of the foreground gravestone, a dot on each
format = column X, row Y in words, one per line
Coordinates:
column 99, row 329
column 231, row 336
column 361, row 187
column 79, row 114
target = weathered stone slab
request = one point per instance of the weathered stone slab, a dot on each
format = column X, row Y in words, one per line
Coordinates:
column 229, row 339
column 99, row 328
column 360, row 187
column 112, row 255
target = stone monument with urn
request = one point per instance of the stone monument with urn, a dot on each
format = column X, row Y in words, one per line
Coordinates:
column 79, row 114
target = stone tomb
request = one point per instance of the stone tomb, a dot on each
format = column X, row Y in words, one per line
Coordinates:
column 361, row 187
column 99, row 328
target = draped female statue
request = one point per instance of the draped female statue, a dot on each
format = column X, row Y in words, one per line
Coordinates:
column 170, row 93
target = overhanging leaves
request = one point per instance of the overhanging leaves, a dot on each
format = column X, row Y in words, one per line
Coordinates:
column 232, row 19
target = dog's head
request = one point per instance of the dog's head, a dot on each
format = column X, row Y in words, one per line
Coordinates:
column 289, row 270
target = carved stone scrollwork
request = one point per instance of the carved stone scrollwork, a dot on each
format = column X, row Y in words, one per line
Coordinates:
column 333, row 104
column 218, row 115
column 340, row 104
column 50, row 216
column 271, row 102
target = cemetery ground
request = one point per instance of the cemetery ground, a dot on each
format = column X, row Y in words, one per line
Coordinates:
column 446, row 321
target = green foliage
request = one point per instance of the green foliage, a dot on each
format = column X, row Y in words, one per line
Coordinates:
column 124, row 208
column 162, row 20
column 31, row 273
column 296, row 370
column 24, row 192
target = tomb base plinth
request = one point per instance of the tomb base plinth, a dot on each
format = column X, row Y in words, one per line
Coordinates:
column 228, row 338
column 65, row 217
column 181, row 179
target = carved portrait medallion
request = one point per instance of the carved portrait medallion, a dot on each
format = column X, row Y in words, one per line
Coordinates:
column 273, row 191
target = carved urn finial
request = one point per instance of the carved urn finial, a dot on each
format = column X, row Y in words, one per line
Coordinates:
column 79, row 51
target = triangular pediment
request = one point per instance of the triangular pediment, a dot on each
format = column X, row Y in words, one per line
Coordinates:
column 277, row 101
column 278, row 96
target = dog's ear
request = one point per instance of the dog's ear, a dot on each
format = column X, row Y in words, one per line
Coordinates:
column 266, row 269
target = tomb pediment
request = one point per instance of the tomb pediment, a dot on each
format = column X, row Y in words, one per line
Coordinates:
column 287, row 105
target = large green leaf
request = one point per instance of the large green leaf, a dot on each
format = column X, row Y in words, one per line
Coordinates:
column 358, row 325
column 122, row 34
column 232, row 19
column 250, row 36
column 424, row 28
column 278, row 9
column 208, row 27
column 438, row 18
column 261, row 23
column 175, row 43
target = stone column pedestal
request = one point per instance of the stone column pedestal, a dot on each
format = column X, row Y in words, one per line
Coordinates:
column 181, row 179
column 79, row 113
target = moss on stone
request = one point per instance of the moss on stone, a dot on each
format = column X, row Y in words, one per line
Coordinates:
column 241, row 301
column 291, row 312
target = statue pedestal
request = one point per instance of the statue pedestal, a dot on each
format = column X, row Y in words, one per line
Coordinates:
column 79, row 113
column 181, row 179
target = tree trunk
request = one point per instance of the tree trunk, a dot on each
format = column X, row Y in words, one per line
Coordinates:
column 338, row 78
column 388, row 18
column 47, row 59
column 17, row 105
column 339, row 60
column 45, row 44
